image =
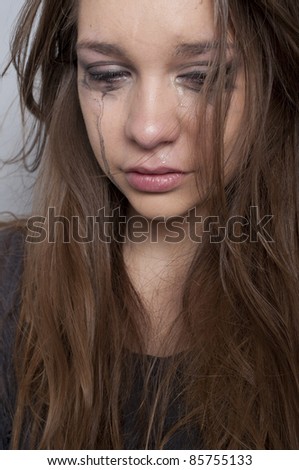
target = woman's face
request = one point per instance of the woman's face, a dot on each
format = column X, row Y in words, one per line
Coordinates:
column 141, row 66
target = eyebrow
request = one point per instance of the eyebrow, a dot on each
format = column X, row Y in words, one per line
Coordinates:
column 102, row 48
column 195, row 48
column 182, row 50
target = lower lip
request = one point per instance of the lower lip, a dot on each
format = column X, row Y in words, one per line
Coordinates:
column 154, row 183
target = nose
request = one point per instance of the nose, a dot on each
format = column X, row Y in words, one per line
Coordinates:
column 153, row 116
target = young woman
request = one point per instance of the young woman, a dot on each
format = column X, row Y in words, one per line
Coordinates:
column 151, row 301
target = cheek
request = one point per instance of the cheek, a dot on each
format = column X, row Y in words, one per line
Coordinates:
column 93, row 115
column 104, row 121
column 91, row 112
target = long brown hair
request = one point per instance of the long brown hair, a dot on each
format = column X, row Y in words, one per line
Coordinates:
column 239, row 379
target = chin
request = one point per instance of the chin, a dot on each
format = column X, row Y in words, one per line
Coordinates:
column 158, row 211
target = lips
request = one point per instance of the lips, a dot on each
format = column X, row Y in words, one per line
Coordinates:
column 161, row 170
column 154, row 180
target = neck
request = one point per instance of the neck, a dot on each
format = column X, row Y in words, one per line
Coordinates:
column 158, row 267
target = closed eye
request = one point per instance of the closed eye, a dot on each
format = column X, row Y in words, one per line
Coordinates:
column 196, row 79
column 107, row 80
column 193, row 80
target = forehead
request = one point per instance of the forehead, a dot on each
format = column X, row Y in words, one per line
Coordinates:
column 148, row 23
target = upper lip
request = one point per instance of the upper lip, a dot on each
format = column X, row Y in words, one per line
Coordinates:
column 160, row 170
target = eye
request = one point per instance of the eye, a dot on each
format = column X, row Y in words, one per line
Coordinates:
column 193, row 80
column 107, row 80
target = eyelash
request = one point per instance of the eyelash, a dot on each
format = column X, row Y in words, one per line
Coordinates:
column 111, row 80
column 196, row 80
column 106, row 81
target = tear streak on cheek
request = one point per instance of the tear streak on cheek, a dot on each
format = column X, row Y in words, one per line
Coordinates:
column 102, row 142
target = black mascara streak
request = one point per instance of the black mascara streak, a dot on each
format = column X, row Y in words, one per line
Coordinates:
column 102, row 145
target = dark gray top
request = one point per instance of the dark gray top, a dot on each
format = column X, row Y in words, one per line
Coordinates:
column 11, row 267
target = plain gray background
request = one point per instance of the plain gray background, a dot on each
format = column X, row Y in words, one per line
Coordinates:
column 15, row 182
